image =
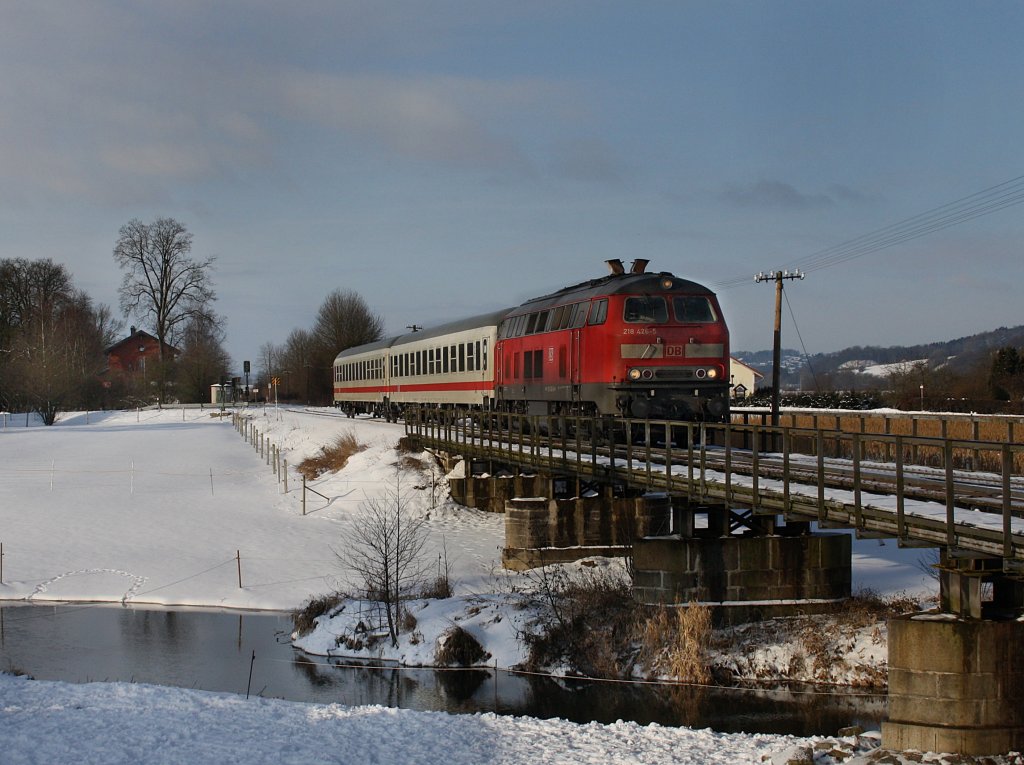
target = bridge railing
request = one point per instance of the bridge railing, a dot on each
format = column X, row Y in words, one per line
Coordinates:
column 780, row 468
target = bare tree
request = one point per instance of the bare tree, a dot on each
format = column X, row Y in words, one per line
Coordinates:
column 203, row 359
column 162, row 284
column 385, row 552
column 343, row 321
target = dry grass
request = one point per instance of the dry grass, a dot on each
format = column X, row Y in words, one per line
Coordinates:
column 673, row 642
column 331, row 458
column 993, row 430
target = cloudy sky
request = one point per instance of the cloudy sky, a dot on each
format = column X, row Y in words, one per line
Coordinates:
column 449, row 157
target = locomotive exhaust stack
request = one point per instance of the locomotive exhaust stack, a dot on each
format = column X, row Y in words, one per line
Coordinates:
column 639, row 266
column 615, row 267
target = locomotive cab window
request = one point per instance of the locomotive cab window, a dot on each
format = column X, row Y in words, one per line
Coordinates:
column 599, row 312
column 645, row 310
column 690, row 309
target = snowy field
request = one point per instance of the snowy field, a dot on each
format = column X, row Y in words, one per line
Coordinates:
column 171, row 507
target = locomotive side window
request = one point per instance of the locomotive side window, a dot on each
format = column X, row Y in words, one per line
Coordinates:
column 528, row 365
column 558, row 315
column 599, row 312
column 645, row 309
column 690, row 309
column 579, row 315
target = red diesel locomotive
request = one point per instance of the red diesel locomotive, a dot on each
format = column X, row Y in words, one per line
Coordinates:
column 636, row 344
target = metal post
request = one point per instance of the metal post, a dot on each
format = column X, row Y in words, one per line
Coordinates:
column 238, row 560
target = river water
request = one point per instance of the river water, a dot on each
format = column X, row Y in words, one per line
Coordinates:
column 216, row 650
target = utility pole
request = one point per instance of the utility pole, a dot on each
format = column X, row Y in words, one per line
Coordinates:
column 777, row 277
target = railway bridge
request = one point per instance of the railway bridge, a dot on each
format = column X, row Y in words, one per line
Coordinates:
column 738, row 515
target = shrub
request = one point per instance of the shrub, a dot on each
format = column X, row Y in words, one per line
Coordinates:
column 457, row 648
column 585, row 621
column 304, row 618
column 331, row 458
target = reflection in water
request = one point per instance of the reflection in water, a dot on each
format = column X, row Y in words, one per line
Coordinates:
column 212, row 650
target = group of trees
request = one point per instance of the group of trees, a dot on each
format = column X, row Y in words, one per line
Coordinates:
column 53, row 337
column 304, row 362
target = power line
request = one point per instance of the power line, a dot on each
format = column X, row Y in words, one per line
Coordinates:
column 976, row 205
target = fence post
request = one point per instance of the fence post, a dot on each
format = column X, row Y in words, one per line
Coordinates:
column 286, row 476
column 238, row 559
column 303, row 494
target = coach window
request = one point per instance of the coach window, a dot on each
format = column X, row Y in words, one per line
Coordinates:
column 599, row 312
column 462, row 357
column 430, row 361
column 645, row 310
column 479, row 360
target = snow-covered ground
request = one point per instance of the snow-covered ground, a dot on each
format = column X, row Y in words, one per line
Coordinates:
column 173, row 507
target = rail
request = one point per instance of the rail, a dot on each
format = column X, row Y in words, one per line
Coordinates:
column 832, row 477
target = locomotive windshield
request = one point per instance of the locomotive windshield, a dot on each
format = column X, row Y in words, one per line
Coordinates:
column 645, row 310
column 692, row 309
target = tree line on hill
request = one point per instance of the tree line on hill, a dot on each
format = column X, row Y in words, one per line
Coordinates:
column 984, row 380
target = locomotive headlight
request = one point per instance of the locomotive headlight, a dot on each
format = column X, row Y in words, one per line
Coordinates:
column 701, row 374
column 712, row 373
column 634, row 374
column 666, row 284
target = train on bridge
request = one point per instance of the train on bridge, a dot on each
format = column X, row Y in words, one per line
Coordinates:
column 630, row 344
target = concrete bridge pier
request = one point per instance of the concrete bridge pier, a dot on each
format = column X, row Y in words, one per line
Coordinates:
column 956, row 675
column 749, row 567
column 955, row 685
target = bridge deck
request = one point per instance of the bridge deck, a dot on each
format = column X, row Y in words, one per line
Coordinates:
column 945, row 506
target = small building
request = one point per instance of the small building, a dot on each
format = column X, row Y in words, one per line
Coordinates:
column 743, row 379
column 130, row 356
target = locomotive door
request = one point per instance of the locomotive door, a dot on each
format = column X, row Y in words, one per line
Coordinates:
column 575, row 356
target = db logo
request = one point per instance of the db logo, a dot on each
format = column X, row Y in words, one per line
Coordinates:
column 674, row 350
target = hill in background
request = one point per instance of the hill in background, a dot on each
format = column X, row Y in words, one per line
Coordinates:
column 870, row 366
